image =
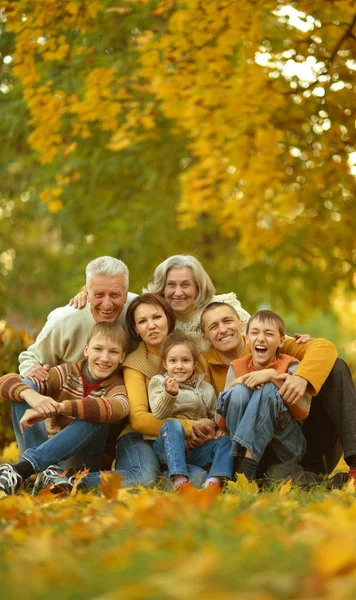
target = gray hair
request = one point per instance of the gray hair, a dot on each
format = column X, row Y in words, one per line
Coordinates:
column 205, row 286
column 108, row 267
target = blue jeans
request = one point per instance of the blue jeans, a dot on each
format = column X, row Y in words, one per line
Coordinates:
column 31, row 438
column 257, row 418
column 138, row 464
column 171, row 451
column 81, row 442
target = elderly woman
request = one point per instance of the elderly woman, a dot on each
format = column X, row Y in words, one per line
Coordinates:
column 187, row 287
column 183, row 282
column 149, row 320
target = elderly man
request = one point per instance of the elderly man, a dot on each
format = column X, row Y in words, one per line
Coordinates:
column 65, row 333
column 331, row 425
column 64, row 336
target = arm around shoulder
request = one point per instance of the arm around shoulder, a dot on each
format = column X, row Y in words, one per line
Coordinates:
column 317, row 359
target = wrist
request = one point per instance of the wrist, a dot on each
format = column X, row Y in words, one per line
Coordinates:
column 30, row 396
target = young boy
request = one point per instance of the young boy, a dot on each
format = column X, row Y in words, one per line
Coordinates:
column 80, row 399
column 254, row 411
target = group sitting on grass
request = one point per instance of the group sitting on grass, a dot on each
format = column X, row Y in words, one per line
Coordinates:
column 194, row 399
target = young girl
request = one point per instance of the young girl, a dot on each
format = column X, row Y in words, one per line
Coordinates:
column 183, row 393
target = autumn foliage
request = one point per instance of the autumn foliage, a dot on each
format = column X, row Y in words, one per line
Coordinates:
column 247, row 116
column 152, row 545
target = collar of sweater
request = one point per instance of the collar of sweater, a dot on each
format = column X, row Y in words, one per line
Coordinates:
column 81, row 368
column 143, row 361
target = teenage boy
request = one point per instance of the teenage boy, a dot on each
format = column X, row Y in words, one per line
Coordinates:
column 254, row 411
column 330, row 428
column 80, row 399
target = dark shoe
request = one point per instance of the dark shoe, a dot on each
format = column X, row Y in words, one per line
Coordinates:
column 56, row 479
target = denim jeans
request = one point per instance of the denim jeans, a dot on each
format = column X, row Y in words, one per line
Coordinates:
column 31, row 438
column 80, row 444
column 257, row 418
column 171, row 451
column 138, row 464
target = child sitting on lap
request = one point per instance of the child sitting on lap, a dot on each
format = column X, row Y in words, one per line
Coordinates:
column 255, row 413
column 183, row 393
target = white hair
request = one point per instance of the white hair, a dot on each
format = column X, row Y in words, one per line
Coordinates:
column 108, row 267
column 205, row 286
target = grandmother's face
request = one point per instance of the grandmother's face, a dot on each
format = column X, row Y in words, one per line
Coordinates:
column 180, row 289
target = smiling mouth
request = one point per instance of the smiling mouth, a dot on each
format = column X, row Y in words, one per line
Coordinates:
column 261, row 350
column 226, row 337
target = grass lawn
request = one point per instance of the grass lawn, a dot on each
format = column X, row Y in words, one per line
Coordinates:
column 151, row 544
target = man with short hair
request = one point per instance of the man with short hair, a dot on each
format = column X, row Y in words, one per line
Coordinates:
column 64, row 335
column 331, row 425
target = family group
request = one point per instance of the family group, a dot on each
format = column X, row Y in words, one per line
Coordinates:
column 178, row 385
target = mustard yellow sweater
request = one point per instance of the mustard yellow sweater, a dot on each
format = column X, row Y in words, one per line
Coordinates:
column 317, row 359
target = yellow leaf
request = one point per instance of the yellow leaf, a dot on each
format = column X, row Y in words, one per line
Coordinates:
column 110, row 485
column 242, row 485
column 286, row 487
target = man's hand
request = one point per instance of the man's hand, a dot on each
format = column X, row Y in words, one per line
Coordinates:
column 203, row 431
column 38, row 371
column 80, row 300
column 293, row 388
column 171, row 386
column 30, row 417
column 303, row 338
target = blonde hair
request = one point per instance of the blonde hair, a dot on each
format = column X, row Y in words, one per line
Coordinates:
column 206, row 289
column 112, row 331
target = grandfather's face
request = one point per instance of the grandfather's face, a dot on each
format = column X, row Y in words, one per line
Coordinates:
column 107, row 296
column 222, row 328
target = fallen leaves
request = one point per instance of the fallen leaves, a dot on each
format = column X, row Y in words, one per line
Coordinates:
column 151, row 544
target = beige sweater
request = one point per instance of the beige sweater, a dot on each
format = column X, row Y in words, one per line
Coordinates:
column 190, row 403
column 63, row 337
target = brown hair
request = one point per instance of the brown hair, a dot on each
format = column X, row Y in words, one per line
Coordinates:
column 148, row 298
column 269, row 316
column 212, row 306
column 113, row 331
column 176, row 338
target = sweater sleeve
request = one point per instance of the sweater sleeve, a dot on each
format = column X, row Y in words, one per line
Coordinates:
column 161, row 403
column 11, row 386
column 141, row 419
column 111, row 407
column 317, row 359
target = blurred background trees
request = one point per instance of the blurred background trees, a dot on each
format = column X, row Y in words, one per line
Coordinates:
column 141, row 128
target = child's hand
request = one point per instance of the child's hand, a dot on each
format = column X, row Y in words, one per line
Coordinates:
column 30, row 417
column 171, row 386
column 236, row 381
column 220, row 433
column 256, row 379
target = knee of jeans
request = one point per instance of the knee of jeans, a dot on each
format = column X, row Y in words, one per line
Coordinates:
column 172, row 426
column 269, row 388
column 239, row 394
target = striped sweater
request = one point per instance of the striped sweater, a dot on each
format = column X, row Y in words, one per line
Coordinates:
column 106, row 403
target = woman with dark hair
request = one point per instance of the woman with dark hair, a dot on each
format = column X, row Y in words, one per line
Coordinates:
column 149, row 319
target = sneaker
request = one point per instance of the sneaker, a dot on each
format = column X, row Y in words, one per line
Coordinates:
column 10, row 480
column 55, row 478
